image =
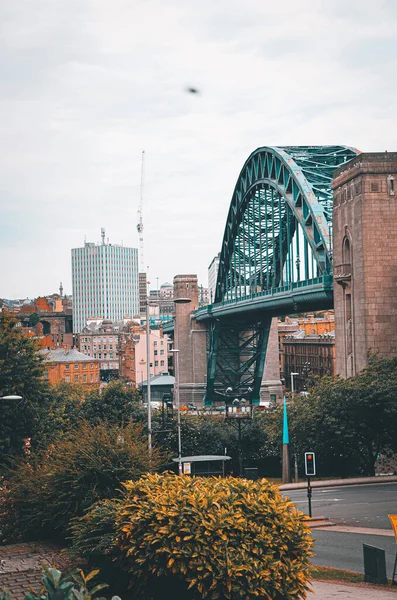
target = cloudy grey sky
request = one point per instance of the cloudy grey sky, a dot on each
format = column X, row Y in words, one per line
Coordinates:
column 85, row 85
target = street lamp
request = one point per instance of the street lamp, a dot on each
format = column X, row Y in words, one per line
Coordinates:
column 238, row 411
column 178, row 409
column 11, row 397
column 292, row 381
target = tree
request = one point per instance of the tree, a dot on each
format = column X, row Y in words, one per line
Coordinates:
column 117, row 403
column 346, row 422
column 21, row 373
column 48, row 488
column 63, row 412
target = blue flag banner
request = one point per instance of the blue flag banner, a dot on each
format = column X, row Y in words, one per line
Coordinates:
column 285, row 424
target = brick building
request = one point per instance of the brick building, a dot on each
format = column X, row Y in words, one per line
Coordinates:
column 71, row 366
column 100, row 340
column 308, row 354
column 365, row 259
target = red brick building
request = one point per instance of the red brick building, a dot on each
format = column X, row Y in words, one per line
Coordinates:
column 71, row 366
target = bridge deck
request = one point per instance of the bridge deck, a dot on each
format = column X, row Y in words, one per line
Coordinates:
column 313, row 294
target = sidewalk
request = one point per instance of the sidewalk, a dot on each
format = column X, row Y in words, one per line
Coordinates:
column 326, row 590
column 320, row 483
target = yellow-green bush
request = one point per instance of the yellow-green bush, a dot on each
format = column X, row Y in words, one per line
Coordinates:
column 219, row 538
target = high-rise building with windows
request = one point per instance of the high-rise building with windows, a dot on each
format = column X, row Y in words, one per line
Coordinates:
column 105, row 282
column 212, row 277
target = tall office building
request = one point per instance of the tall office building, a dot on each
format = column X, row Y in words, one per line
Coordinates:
column 212, row 277
column 105, row 282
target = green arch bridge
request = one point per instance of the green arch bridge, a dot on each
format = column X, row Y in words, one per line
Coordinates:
column 275, row 259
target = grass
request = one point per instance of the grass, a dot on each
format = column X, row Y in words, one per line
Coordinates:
column 331, row 574
column 336, row 575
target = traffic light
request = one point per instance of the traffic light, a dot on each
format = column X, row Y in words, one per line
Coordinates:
column 310, row 464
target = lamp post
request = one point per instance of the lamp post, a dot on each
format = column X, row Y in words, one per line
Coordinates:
column 238, row 411
column 292, row 381
column 177, row 380
column 149, row 407
column 178, row 408
column 11, row 397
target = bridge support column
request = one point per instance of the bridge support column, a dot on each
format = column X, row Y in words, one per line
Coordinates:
column 365, row 260
column 271, row 387
column 190, row 340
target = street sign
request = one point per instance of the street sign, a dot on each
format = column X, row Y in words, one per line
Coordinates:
column 310, row 464
column 393, row 521
column 187, row 468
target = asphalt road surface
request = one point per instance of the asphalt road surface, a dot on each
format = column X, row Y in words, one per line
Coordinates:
column 356, row 505
column 345, row 550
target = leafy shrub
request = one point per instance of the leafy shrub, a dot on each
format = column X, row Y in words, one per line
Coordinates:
column 187, row 537
column 48, row 488
column 73, row 586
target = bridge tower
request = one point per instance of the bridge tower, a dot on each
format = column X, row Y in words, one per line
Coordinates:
column 365, row 260
column 190, row 339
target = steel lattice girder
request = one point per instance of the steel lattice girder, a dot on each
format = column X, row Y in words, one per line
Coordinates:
column 278, row 190
column 237, row 351
column 281, row 210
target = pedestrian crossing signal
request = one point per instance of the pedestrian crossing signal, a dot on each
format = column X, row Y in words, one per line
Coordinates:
column 310, row 464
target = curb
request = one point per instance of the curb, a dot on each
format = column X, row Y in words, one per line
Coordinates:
column 339, row 482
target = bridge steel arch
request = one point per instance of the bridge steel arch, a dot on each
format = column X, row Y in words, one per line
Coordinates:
column 276, row 257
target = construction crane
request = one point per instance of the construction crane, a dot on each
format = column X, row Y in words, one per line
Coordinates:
column 140, row 217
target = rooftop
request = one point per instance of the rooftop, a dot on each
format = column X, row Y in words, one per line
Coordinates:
column 66, row 356
column 162, row 379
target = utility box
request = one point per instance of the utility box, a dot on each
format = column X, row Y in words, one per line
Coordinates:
column 374, row 564
column 251, row 473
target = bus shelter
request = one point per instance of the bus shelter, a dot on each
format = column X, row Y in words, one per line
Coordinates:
column 204, row 465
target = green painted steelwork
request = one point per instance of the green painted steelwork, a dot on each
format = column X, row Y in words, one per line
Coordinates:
column 276, row 256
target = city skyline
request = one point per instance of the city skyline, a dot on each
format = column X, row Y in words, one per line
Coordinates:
column 80, row 103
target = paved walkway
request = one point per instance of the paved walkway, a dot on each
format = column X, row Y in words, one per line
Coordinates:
column 326, row 590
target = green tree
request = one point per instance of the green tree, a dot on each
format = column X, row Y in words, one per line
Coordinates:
column 63, row 412
column 117, row 403
column 21, row 373
column 346, row 422
column 46, row 489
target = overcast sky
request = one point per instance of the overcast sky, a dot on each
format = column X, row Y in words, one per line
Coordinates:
column 85, row 85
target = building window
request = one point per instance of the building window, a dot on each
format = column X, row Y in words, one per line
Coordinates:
column 84, row 366
column 76, row 377
column 92, row 376
column 85, row 378
column 161, row 343
column 155, row 352
column 154, row 343
column 156, row 363
column 76, row 366
column 162, row 352
column 67, row 378
column 67, row 366
column 374, row 186
column 161, row 363
column 92, row 365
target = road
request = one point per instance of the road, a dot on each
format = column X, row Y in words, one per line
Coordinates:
column 345, row 550
column 355, row 506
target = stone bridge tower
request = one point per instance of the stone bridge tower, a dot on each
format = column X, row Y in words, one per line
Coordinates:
column 191, row 340
column 365, row 260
